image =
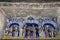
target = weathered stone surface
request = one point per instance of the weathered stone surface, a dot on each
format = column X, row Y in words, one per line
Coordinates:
column 2, row 23
column 26, row 9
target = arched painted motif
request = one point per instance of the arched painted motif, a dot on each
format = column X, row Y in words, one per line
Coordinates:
column 14, row 21
column 49, row 22
column 30, row 21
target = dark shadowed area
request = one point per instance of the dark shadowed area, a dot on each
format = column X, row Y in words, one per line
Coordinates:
column 32, row 1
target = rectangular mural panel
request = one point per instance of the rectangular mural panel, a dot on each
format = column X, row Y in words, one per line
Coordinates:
column 29, row 20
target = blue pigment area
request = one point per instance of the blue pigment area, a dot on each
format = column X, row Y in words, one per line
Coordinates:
column 30, row 26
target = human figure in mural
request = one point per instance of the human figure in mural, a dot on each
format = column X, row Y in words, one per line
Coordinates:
column 28, row 31
column 37, row 32
column 28, row 34
column 34, row 31
column 24, row 31
column 45, row 30
column 15, row 31
column 48, row 31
